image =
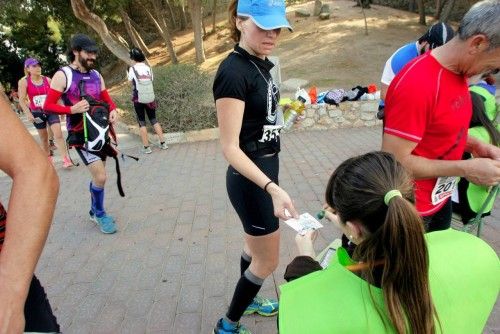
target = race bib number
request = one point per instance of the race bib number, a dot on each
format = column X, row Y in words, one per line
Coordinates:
column 443, row 189
column 39, row 100
column 270, row 132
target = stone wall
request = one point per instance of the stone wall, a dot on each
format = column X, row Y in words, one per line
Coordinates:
column 346, row 115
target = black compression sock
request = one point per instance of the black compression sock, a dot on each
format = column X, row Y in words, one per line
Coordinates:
column 246, row 289
column 244, row 262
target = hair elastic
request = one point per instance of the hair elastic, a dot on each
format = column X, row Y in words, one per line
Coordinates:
column 390, row 195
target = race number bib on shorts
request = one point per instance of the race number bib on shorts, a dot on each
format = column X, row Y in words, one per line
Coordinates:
column 39, row 100
column 270, row 132
column 443, row 189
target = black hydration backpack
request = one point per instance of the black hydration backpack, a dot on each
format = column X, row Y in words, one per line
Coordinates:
column 95, row 122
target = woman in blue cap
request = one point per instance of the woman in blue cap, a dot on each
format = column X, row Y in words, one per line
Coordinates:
column 250, row 123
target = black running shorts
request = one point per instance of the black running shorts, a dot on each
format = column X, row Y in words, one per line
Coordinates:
column 253, row 205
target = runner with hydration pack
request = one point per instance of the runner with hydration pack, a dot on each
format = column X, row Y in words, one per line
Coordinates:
column 143, row 97
column 91, row 113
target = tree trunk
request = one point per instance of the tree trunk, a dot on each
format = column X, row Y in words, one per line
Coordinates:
column 447, row 10
column 214, row 14
column 360, row 3
column 183, row 15
column 164, row 31
column 196, row 19
column 82, row 13
column 411, row 6
column 421, row 11
column 203, row 24
column 172, row 15
column 133, row 34
column 440, row 4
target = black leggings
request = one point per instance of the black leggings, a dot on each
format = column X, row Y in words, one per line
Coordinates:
column 141, row 109
column 37, row 311
column 252, row 204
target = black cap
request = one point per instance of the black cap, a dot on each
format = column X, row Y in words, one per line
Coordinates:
column 83, row 42
column 438, row 34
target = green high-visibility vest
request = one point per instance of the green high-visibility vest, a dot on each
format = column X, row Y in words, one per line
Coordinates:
column 490, row 105
column 464, row 276
column 477, row 194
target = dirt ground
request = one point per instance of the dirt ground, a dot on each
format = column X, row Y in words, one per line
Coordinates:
column 334, row 53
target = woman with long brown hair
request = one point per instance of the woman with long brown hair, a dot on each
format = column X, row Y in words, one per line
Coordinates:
column 250, row 122
column 370, row 198
column 397, row 280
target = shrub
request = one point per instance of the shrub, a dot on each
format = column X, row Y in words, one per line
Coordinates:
column 184, row 97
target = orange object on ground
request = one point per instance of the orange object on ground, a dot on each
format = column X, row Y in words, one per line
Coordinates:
column 313, row 94
column 372, row 88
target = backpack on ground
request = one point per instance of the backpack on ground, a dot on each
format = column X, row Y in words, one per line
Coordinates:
column 144, row 87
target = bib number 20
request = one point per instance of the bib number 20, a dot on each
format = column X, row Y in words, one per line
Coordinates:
column 443, row 189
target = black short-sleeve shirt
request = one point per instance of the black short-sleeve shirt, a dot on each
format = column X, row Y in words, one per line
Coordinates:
column 247, row 78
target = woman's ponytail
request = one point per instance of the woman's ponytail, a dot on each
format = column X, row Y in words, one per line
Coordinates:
column 374, row 190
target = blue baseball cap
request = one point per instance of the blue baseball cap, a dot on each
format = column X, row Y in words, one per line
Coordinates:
column 30, row 62
column 266, row 14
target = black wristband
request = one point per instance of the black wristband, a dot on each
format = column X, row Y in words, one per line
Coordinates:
column 268, row 183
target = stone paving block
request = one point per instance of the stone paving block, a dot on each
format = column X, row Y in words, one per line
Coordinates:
column 169, row 287
column 149, row 278
column 174, row 265
column 187, row 323
column 194, row 274
column 216, row 244
column 162, row 316
column 134, row 326
column 56, row 288
column 140, row 303
column 197, row 254
column 80, row 328
column 110, row 319
column 190, row 299
column 215, row 284
column 213, row 309
column 216, row 262
column 90, row 308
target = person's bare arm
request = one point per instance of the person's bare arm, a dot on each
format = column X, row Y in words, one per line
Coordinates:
column 22, row 87
column 480, row 170
column 29, row 215
column 230, row 117
column 479, row 149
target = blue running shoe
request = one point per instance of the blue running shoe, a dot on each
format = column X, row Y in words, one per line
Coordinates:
column 263, row 306
column 223, row 327
column 106, row 223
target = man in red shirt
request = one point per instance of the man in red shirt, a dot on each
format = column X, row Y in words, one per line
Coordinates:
column 428, row 110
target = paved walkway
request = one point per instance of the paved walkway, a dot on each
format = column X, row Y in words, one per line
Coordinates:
column 174, row 262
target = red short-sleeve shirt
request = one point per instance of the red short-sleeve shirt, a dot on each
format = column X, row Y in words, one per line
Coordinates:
column 431, row 106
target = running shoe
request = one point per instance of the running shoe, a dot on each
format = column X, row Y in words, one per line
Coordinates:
column 220, row 328
column 67, row 162
column 147, row 150
column 163, row 146
column 106, row 223
column 263, row 306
